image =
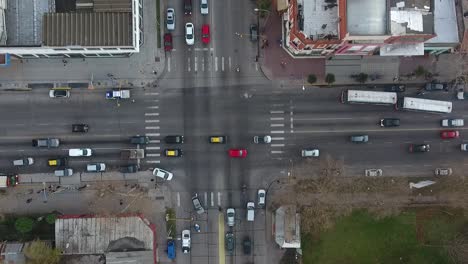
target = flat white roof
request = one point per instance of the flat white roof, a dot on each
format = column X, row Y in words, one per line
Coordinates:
column 358, row 96
column 412, row 103
column 445, row 22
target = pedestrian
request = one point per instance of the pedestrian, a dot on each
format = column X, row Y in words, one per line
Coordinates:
column 155, row 72
column 29, row 200
column 266, row 43
column 121, row 202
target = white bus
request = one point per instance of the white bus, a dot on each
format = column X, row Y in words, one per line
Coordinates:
column 368, row 97
column 418, row 104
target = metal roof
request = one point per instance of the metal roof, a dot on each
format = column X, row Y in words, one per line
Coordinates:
column 87, row 29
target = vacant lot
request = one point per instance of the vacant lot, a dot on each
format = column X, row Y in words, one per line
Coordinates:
column 430, row 235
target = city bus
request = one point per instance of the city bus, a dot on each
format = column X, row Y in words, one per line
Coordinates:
column 368, row 97
column 426, row 105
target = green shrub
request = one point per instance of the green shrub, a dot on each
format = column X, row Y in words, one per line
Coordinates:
column 24, row 225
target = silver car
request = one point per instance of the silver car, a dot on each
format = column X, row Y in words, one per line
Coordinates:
column 443, row 172
column 197, row 205
column 170, row 19
column 374, row 172
column 310, row 153
column 231, row 214
column 359, row 138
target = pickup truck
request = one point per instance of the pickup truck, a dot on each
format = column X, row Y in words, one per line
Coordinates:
column 118, row 94
column 8, row 180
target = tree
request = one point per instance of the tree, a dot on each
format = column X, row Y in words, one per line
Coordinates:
column 39, row 252
column 361, row 77
column 311, row 78
column 24, row 225
column 50, row 219
column 420, row 71
column 330, row 78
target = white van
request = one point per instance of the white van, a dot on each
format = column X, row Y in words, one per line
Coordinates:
column 63, row 173
column 250, row 211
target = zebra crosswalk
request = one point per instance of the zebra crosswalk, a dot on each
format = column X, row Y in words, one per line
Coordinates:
column 210, row 64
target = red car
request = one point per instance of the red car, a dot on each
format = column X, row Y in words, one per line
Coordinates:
column 237, row 153
column 446, row 134
column 167, row 42
column 205, row 33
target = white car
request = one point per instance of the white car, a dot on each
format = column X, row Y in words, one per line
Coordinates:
column 189, row 34
column 374, row 172
column 250, row 211
column 310, row 153
column 170, row 19
column 96, row 167
column 186, row 241
column 452, row 123
column 464, row 147
column 231, row 215
column 204, row 7
column 84, row 152
column 59, row 93
column 261, row 195
column 163, row 174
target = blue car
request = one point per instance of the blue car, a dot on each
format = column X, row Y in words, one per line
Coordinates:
column 171, row 249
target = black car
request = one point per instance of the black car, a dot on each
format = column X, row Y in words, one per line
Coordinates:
column 174, row 139
column 188, row 7
column 139, row 140
column 246, row 245
column 253, row 32
column 230, row 242
column 419, row 148
column 81, row 128
column 389, row 122
column 434, row 86
column 396, row 88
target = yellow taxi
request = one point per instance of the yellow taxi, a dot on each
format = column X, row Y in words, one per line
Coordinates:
column 56, row 162
column 173, row 152
column 218, row 139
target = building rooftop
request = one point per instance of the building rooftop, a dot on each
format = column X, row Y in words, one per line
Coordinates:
column 287, row 227
column 445, row 22
column 409, row 17
column 318, row 19
column 133, row 236
column 366, row 17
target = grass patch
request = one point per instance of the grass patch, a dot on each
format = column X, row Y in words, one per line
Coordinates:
column 414, row 236
column 158, row 23
column 41, row 229
column 170, row 222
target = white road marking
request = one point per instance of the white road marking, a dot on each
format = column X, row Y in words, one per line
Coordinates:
column 206, row 198
column 230, row 63
column 212, row 199
column 276, row 112
column 151, row 93
column 153, row 107
column 256, row 66
column 151, row 114
column 219, row 198
column 169, row 64
column 222, row 63
column 276, row 152
column 276, row 118
column 196, row 64
column 277, row 145
column 153, row 147
column 325, row 118
column 151, row 121
column 188, row 64
column 178, row 199
column 153, row 134
column 277, row 132
column 203, row 64
column 153, row 155
column 153, row 161
column 152, row 127
column 277, row 138
column 156, row 141
column 277, row 125
column 216, row 63
column 277, row 105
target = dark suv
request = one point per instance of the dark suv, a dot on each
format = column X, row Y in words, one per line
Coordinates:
column 389, row 122
column 188, row 7
column 174, row 139
column 253, row 32
column 139, row 140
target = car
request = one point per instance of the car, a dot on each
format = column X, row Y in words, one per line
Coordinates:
column 461, row 95
column 359, row 138
column 80, row 128
column 197, row 205
column 131, row 168
column 237, row 153
column 57, row 162
column 168, row 42
column 173, row 152
column 81, row 152
column 306, row 153
column 204, row 7
column 374, row 172
column 250, row 211
column 139, row 140
column 449, row 134
column 171, row 252
column 261, row 196
column 464, row 147
column 96, row 167
column 63, row 173
column 188, row 7
column 23, row 162
column 230, row 242
column 189, row 34
column 56, row 93
column 163, row 174
column 246, row 245
column 170, row 19
column 186, row 241
column 435, row 86
column 443, row 172
column 174, row 139
column 205, row 33
column 218, row 139
column 452, row 122
column 397, row 88
column 262, row 139
column 231, row 214
column 46, row 142
column 118, row 94
column 389, row 122
column 253, row 32
column 419, row 147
